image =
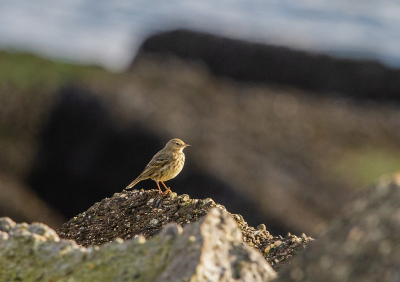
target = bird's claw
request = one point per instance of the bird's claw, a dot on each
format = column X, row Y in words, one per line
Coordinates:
column 166, row 192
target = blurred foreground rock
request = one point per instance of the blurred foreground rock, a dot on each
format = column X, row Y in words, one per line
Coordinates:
column 363, row 245
column 208, row 250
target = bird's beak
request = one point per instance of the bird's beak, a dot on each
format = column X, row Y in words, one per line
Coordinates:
column 187, row 145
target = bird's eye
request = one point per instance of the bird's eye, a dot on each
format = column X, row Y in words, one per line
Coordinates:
column 177, row 143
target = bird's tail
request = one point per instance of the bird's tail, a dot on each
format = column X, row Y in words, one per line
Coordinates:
column 133, row 183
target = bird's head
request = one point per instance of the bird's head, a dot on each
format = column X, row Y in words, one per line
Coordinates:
column 176, row 145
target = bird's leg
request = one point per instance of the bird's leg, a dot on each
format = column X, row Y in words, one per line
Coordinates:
column 167, row 189
column 159, row 187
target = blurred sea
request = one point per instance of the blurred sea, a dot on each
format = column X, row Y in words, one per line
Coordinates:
column 108, row 33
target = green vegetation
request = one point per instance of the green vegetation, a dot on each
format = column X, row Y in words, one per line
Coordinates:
column 365, row 166
column 24, row 72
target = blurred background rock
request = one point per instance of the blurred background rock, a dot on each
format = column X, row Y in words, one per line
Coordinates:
column 280, row 135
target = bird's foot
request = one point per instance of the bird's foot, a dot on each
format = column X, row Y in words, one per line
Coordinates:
column 166, row 192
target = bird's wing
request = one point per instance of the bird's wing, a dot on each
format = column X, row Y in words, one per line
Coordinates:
column 159, row 160
column 156, row 162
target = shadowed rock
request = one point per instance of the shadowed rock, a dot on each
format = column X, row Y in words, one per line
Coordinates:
column 245, row 61
column 19, row 202
column 208, row 250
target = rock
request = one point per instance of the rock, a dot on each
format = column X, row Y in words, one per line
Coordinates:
column 254, row 62
column 134, row 214
column 43, row 230
column 172, row 229
column 362, row 245
column 145, row 212
column 6, row 224
column 211, row 249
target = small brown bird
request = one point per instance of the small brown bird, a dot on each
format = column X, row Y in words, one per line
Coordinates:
column 165, row 165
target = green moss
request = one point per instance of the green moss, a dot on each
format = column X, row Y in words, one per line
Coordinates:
column 26, row 72
column 364, row 166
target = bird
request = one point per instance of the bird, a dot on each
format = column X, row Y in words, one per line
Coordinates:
column 165, row 165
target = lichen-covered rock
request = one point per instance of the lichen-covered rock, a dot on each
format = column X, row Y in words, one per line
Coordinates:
column 43, row 230
column 362, row 245
column 217, row 252
column 211, row 249
column 6, row 224
column 129, row 214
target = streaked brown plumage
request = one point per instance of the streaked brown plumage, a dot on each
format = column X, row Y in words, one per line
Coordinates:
column 165, row 165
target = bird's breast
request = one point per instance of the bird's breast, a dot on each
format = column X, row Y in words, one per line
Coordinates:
column 179, row 162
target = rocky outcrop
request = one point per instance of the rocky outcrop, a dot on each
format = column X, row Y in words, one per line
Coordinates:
column 362, row 245
column 130, row 214
column 209, row 250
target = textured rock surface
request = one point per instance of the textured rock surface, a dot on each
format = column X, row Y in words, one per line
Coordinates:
column 363, row 245
column 208, row 250
column 129, row 214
